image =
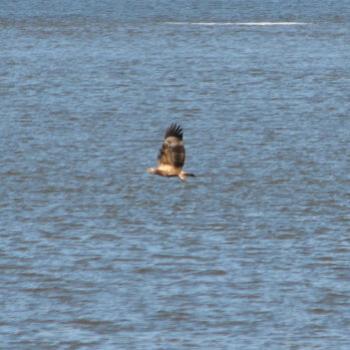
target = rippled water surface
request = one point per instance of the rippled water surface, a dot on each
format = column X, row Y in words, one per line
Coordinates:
column 253, row 253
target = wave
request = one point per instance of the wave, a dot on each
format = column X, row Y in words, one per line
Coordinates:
column 238, row 23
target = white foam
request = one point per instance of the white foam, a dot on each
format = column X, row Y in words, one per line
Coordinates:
column 271, row 23
column 238, row 23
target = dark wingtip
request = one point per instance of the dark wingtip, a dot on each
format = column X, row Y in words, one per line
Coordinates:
column 174, row 130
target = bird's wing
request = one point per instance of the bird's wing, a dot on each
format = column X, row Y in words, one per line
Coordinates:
column 172, row 151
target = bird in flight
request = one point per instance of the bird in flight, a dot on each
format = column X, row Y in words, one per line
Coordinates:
column 171, row 157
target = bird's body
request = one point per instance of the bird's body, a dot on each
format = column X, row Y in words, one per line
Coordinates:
column 171, row 156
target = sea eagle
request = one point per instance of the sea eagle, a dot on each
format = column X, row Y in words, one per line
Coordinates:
column 171, row 157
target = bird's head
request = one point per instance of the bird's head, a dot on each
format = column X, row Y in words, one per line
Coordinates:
column 151, row 170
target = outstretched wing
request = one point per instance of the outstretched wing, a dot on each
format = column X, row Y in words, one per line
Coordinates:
column 173, row 151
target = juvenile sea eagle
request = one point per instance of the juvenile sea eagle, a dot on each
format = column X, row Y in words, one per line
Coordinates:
column 171, row 157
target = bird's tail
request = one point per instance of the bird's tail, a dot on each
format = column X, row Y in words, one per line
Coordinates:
column 183, row 176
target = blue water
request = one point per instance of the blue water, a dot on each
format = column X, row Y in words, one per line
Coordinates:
column 253, row 253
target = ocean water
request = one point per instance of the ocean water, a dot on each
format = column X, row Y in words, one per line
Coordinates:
column 253, row 253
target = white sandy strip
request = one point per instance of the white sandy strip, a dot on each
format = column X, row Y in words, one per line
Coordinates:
column 238, row 23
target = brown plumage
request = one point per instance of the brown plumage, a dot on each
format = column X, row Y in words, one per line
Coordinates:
column 171, row 157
